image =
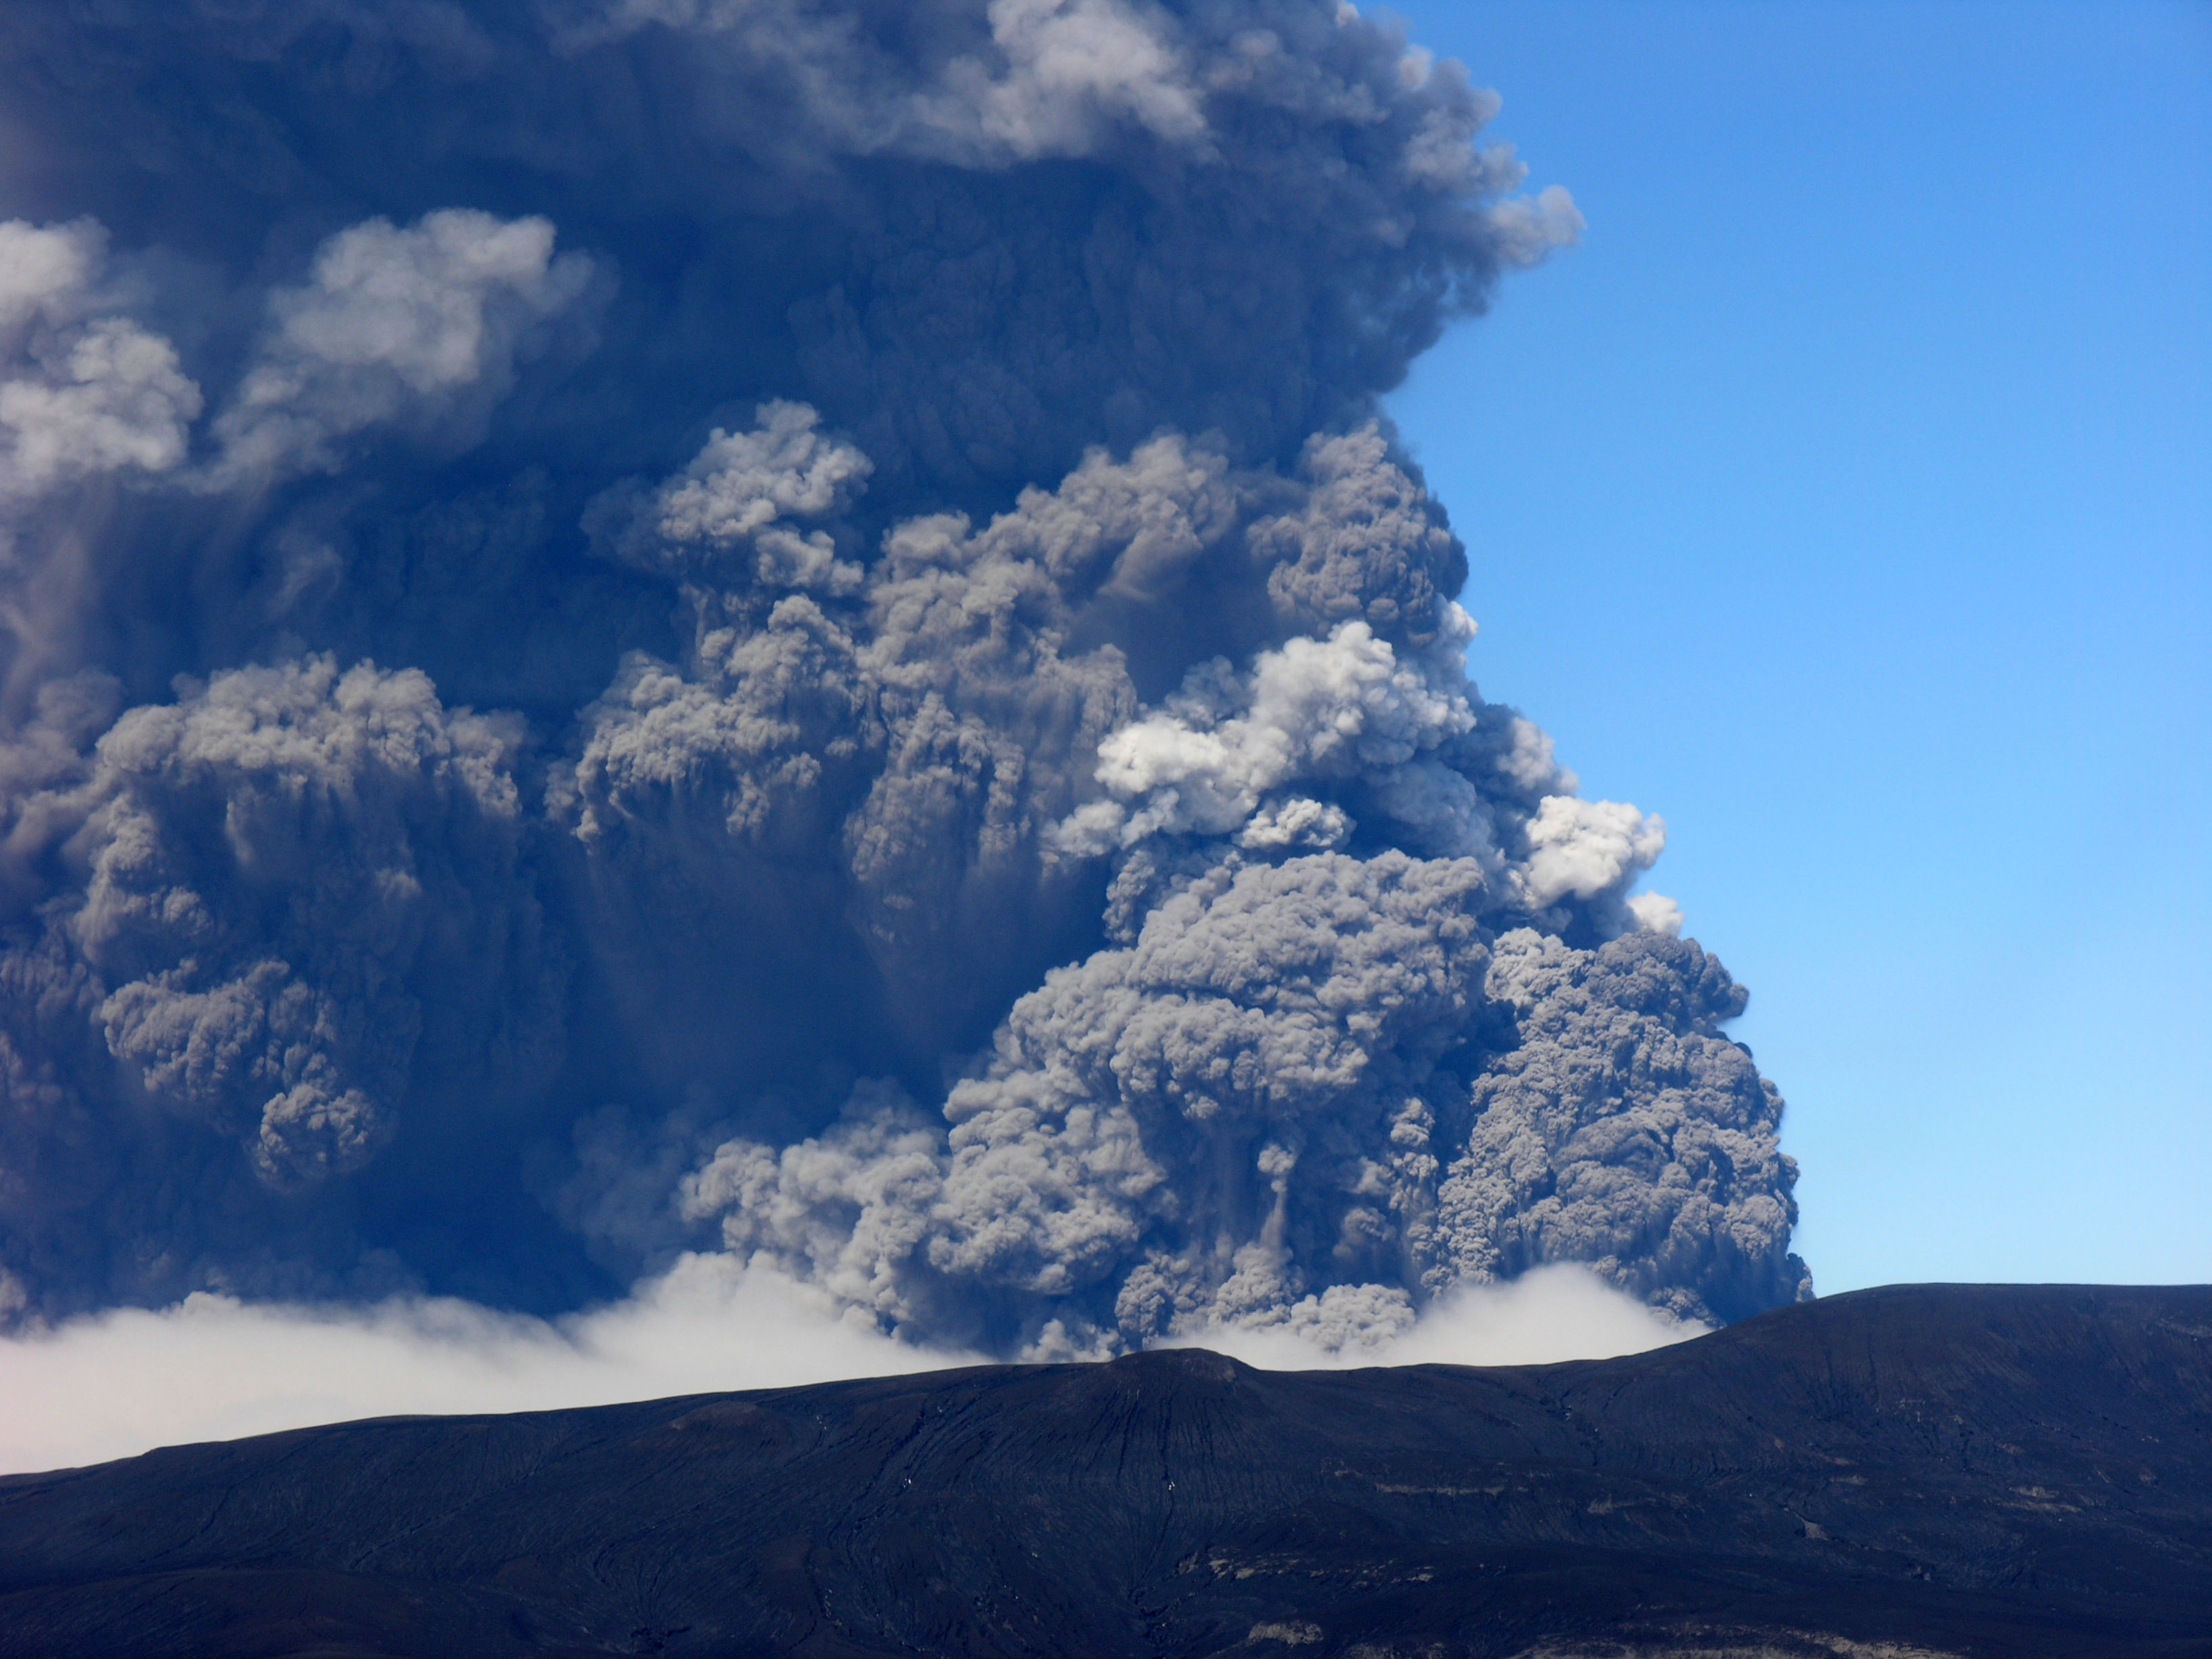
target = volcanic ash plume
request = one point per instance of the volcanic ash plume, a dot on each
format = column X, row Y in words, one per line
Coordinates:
column 791, row 629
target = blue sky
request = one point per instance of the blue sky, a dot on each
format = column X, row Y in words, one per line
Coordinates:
column 1846, row 498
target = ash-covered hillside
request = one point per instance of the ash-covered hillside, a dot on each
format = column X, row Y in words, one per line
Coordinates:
column 1929, row 1470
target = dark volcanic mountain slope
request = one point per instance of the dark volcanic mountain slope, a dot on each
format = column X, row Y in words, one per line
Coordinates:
column 1964, row 1470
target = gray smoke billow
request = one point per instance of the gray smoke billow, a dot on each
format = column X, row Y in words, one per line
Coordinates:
column 790, row 627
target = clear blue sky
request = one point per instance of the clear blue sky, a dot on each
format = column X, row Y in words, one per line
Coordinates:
column 1847, row 498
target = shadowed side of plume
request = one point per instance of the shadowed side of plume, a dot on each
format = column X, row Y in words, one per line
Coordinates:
column 1950, row 1470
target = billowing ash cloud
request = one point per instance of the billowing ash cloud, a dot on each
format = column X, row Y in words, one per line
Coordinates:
column 789, row 628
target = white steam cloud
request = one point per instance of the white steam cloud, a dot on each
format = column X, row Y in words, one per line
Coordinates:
column 212, row 1368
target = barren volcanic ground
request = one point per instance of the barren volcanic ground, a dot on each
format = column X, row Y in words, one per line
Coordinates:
column 1959, row 1469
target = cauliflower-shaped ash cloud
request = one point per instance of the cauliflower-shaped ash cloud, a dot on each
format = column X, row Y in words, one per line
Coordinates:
column 1367, row 542
column 1585, row 848
column 1073, row 69
column 1146, row 1111
column 419, row 328
column 277, row 860
column 1625, row 1132
column 1309, row 1094
column 82, row 392
column 741, row 505
column 1316, row 709
column 746, row 625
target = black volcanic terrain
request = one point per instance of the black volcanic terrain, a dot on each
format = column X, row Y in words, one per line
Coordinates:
column 1966, row 1470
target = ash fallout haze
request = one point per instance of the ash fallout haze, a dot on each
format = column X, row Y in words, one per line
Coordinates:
column 673, row 638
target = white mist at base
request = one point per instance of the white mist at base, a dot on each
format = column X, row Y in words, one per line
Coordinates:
column 1548, row 1315
column 211, row 1368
